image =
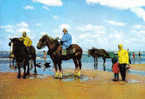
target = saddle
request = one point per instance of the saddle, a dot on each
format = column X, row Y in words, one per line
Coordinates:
column 69, row 50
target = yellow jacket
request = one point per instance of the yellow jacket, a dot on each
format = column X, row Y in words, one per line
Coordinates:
column 27, row 41
column 123, row 56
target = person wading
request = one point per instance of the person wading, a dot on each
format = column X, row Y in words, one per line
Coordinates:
column 66, row 41
column 27, row 42
column 123, row 60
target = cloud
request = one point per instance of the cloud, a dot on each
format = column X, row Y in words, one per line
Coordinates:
column 22, row 24
column 134, row 6
column 23, row 29
column 92, row 28
column 140, row 12
column 38, row 24
column 20, row 27
column 67, row 26
column 29, row 7
column 116, row 23
column 56, row 17
column 49, row 2
column 7, row 28
column 139, row 27
column 46, row 8
column 120, row 4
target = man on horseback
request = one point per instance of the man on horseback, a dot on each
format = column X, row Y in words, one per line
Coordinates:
column 66, row 41
column 27, row 42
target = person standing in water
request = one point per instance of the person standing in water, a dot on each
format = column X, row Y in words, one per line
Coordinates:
column 139, row 57
column 123, row 60
column 133, row 56
column 44, row 56
column 129, row 54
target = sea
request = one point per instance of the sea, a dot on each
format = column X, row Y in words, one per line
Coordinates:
column 87, row 63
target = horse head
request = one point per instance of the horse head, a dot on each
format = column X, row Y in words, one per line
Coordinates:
column 15, row 41
column 46, row 40
column 42, row 42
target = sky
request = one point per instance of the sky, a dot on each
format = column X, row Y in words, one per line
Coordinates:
column 92, row 23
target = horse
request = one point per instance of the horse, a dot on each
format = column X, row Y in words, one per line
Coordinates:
column 95, row 53
column 55, row 49
column 21, row 56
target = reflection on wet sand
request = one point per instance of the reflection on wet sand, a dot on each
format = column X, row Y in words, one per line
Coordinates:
column 92, row 84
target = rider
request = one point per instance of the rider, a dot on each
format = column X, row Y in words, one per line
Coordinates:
column 66, row 41
column 27, row 42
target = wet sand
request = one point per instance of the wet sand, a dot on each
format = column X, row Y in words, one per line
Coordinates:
column 140, row 67
column 93, row 84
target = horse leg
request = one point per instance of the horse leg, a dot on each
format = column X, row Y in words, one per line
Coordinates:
column 104, row 63
column 76, row 66
column 28, row 71
column 95, row 63
column 19, row 71
column 80, row 66
column 13, row 61
column 56, row 71
column 35, row 70
column 24, row 66
column 60, row 70
column 31, row 64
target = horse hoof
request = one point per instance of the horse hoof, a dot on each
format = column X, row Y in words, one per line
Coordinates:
column 28, row 73
column 35, row 72
column 79, row 74
column 75, row 73
column 56, row 75
column 60, row 76
column 18, row 76
column 24, row 77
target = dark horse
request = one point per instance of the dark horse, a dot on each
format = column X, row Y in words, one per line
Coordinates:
column 55, row 53
column 21, row 56
column 95, row 53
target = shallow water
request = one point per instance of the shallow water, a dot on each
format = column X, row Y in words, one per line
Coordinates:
column 87, row 63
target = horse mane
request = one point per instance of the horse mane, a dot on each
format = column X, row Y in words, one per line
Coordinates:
column 17, row 40
column 46, row 36
column 50, row 38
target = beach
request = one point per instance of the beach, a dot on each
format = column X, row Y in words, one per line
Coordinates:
column 93, row 84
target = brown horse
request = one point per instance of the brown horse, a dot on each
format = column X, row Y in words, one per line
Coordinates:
column 55, row 53
column 95, row 53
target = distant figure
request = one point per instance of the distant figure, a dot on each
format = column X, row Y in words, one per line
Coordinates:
column 66, row 41
column 44, row 55
column 133, row 56
column 115, row 69
column 129, row 54
column 123, row 60
column 139, row 56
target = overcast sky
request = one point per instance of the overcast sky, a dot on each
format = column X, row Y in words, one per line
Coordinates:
column 92, row 23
